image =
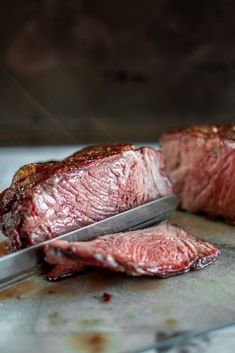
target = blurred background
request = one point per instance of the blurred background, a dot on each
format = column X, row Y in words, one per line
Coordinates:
column 88, row 71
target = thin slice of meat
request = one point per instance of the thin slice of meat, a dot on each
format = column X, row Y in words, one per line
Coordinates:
column 162, row 251
column 49, row 199
column 200, row 162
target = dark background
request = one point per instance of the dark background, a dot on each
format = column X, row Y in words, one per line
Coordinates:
column 100, row 71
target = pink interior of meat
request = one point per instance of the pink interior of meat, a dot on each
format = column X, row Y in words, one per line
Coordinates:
column 161, row 250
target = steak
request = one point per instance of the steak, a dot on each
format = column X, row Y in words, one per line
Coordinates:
column 162, row 251
column 200, row 162
column 48, row 199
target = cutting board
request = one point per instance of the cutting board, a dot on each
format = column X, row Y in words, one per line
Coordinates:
column 70, row 315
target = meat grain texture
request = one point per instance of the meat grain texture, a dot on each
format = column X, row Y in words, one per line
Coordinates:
column 162, row 251
column 200, row 162
column 49, row 199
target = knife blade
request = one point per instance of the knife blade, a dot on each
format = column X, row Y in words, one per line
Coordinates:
column 22, row 264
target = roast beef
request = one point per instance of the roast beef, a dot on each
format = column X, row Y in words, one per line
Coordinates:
column 49, row 199
column 200, row 162
column 163, row 250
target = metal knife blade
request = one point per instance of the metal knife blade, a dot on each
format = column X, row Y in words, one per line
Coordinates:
column 20, row 265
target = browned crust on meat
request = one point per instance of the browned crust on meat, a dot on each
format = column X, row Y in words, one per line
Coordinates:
column 100, row 151
column 226, row 132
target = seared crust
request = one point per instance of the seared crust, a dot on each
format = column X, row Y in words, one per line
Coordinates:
column 226, row 132
column 100, row 151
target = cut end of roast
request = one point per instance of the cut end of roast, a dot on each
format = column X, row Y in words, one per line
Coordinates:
column 200, row 163
column 48, row 199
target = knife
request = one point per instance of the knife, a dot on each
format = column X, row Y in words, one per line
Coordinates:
column 24, row 263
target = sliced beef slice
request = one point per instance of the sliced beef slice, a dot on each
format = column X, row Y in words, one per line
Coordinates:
column 163, row 250
column 48, row 199
column 200, row 162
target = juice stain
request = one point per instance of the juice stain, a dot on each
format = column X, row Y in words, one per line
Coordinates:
column 92, row 342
